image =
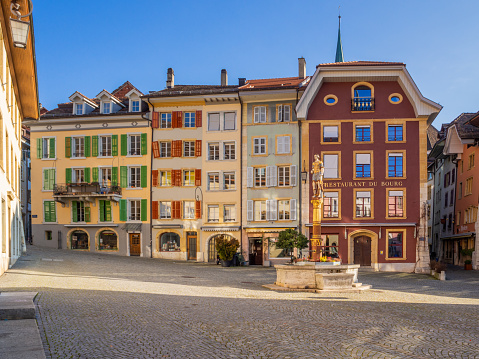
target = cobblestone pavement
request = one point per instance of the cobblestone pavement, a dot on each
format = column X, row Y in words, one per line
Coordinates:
column 101, row 306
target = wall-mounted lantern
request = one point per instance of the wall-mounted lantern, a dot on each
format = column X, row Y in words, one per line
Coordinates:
column 19, row 27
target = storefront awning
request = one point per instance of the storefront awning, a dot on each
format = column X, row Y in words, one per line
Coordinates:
column 267, row 229
column 132, row 227
column 459, row 236
column 221, row 229
column 364, row 224
column 160, row 226
column 90, row 225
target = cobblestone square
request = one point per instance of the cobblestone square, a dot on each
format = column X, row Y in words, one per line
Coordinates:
column 101, row 306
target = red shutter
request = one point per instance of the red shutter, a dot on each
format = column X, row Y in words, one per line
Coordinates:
column 176, row 177
column 176, row 209
column 155, row 119
column 174, row 151
column 174, row 119
column 198, row 118
column 198, row 209
column 197, row 177
column 198, row 148
column 156, row 149
column 179, row 119
column 154, row 209
column 154, row 180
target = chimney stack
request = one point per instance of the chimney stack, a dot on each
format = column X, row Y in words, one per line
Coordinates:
column 224, row 78
column 302, row 68
column 170, row 78
column 241, row 81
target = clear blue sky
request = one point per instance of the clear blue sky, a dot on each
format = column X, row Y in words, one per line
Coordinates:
column 92, row 45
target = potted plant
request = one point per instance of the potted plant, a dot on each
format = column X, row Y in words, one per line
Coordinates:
column 226, row 249
column 467, row 264
column 290, row 239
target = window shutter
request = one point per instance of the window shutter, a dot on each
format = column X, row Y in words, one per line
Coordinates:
column 94, row 174
column 279, row 144
column 87, row 175
column 198, row 148
column 156, row 149
column 256, row 114
column 154, row 178
column 293, row 175
column 286, row 144
column 144, row 210
column 39, row 148
column 87, row 146
column 46, row 176
column 102, row 211
column 268, row 176
column 114, row 145
column 144, row 177
column 286, row 113
column 292, row 209
column 94, row 146
column 68, row 147
column 273, row 210
column 46, row 211
column 274, row 176
column 123, row 176
column 174, row 119
column 108, row 211
column 174, row 151
column 114, row 176
column 144, row 149
column 198, row 118
column 249, row 211
column 176, row 209
column 154, row 209
column 197, row 177
column 155, row 119
column 74, row 211
column 249, row 177
column 87, row 214
column 52, row 148
column 268, row 210
column 280, row 113
column 174, row 179
column 68, row 175
column 179, row 119
column 123, row 210
column 124, row 145
column 53, row 212
column 197, row 209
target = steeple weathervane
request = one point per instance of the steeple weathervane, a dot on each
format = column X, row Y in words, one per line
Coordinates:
column 339, row 47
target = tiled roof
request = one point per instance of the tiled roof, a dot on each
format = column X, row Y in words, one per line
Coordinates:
column 284, row 82
column 465, row 130
column 432, row 137
column 360, row 63
column 122, row 90
column 190, row 90
column 474, row 120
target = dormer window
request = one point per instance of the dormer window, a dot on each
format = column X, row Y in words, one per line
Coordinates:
column 135, row 106
column 106, row 107
column 79, row 109
column 363, row 97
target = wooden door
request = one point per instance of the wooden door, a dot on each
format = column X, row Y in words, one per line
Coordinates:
column 256, row 252
column 135, row 244
column 191, row 240
column 362, row 251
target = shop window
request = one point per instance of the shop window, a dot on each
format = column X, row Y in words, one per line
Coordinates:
column 395, row 244
column 331, row 245
column 170, row 242
column 108, row 240
column 79, row 240
column 48, row 235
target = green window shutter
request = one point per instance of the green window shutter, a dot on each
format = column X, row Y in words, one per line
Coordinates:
column 68, row 147
column 87, row 175
column 123, row 176
column 102, row 211
column 53, row 212
column 144, row 210
column 52, row 148
column 114, row 145
column 94, row 174
column 123, row 211
column 39, row 148
column 124, row 145
column 94, row 146
column 114, row 176
column 74, row 211
column 144, row 148
column 144, row 176
column 46, row 180
column 108, row 211
column 87, row 214
column 51, row 179
column 68, row 175
column 46, row 211
column 87, row 146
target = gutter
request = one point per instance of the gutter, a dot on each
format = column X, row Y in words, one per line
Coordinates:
column 151, row 180
column 241, row 167
column 300, row 170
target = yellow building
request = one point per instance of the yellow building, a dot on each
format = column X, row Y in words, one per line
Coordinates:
column 18, row 101
column 93, row 158
column 196, row 168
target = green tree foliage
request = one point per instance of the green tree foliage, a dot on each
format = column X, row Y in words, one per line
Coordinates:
column 290, row 239
column 226, row 247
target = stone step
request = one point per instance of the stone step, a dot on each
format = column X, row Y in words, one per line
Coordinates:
column 355, row 285
column 17, row 305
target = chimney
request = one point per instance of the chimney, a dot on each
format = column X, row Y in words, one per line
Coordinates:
column 170, row 78
column 224, row 78
column 302, row 68
column 241, row 81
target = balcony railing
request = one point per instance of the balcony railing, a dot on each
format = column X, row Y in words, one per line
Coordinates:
column 362, row 104
column 76, row 189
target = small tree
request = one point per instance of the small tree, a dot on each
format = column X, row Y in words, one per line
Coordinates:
column 226, row 247
column 290, row 239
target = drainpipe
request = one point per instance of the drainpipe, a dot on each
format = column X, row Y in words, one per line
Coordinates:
column 241, row 167
column 151, row 179
column 300, row 170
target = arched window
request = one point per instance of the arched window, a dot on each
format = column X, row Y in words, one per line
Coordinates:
column 212, row 254
column 79, row 240
column 169, row 242
column 363, row 98
column 108, row 240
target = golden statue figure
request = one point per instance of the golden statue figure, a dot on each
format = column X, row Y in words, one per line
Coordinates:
column 318, row 173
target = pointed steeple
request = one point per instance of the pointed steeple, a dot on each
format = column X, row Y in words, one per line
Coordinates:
column 339, row 47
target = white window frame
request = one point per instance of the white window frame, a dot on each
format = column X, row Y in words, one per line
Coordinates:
column 137, row 208
column 191, row 174
column 283, row 144
column 286, row 178
column 216, row 175
column 189, row 209
column 78, row 141
column 79, row 109
column 166, row 174
column 227, row 179
column 209, row 121
column 137, row 144
column 216, row 151
column 101, row 174
column 191, row 149
column 165, row 209
column 234, row 121
column 74, row 174
column 216, row 213
column 164, row 123
column 100, row 145
column 260, row 114
column 228, row 149
column 282, row 113
column 258, row 147
column 133, row 105
column 231, row 209
column 284, row 209
column 262, row 205
column 167, row 149
column 259, row 175
column 134, row 171
column 104, row 110
column 191, row 115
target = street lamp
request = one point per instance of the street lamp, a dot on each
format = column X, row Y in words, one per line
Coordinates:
column 304, row 173
column 18, row 27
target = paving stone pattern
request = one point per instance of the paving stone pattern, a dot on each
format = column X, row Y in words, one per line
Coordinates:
column 102, row 306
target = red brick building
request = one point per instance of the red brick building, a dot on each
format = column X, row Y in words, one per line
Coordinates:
column 368, row 122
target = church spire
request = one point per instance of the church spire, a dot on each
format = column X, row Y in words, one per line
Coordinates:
column 339, row 47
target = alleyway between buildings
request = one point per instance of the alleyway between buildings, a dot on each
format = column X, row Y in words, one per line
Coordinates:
column 101, row 306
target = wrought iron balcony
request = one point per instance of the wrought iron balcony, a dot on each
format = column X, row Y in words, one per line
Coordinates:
column 362, row 104
column 86, row 191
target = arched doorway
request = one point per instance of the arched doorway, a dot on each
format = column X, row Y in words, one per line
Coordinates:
column 212, row 254
column 362, row 250
column 107, row 240
column 79, row 240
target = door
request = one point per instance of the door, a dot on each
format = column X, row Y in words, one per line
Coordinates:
column 135, row 247
column 256, row 252
column 362, row 251
column 191, row 240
